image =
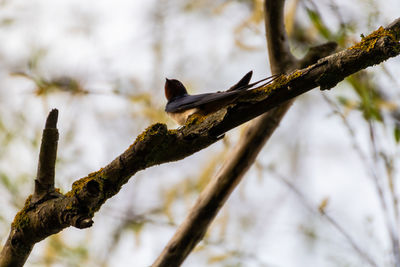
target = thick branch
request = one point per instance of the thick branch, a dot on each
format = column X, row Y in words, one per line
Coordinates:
column 157, row 145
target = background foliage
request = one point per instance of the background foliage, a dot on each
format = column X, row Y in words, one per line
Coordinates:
column 333, row 161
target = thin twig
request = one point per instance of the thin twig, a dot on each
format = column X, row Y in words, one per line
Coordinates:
column 364, row 255
column 380, row 182
column 372, row 174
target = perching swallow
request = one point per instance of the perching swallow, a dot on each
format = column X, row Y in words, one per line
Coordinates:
column 181, row 105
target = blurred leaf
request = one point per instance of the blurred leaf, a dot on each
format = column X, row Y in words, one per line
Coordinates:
column 57, row 251
column 246, row 222
column 220, row 7
column 369, row 96
column 148, row 107
column 397, row 133
column 6, row 182
column 322, row 206
column 142, row 98
column 309, row 232
column 218, row 258
column 169, row 198
column 137, row 227
column 13, row 186
column 191, row 6
column 222, row 222
column 185, row 188
column 250, row 23
column 387, row 105
column 36, row 56
column 58, row 84
column 209, row 170
column 7, row 21
column 318, row 23
column 348, row 104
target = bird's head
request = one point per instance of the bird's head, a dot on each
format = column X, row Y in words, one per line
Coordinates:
column 174, row 88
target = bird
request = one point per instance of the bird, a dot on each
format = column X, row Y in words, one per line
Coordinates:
column 180, row 105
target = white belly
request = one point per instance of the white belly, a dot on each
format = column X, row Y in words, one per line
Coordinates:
column 181, row 117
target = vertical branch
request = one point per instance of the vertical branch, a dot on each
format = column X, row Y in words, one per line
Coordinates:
column 280, row 58
column 44, row 182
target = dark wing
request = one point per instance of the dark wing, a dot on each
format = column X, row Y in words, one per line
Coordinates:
column 265, row 81
column 243, row 82
column 196, row 101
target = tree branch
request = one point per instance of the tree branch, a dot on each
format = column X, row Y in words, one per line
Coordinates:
column 44, row 183
column 280, row 58
column 157, row 145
